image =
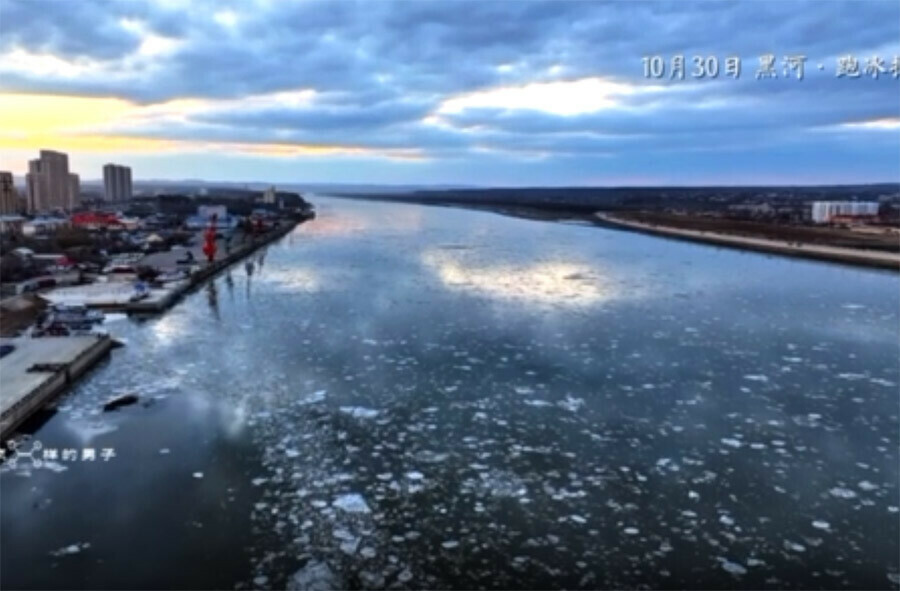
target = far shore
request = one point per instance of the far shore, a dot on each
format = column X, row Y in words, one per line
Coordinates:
column 861, row 257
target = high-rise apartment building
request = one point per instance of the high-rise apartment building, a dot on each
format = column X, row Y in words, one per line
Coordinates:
column 269, row 196
column 117, row 182
column 9, row 199
column 74, row 191
column 49, row 185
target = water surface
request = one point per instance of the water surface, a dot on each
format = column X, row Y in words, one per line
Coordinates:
column 432, row 397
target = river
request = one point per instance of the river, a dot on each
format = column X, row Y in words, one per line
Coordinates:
column 403, row 396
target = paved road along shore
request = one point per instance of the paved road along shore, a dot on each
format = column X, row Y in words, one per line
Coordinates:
column 869, row 258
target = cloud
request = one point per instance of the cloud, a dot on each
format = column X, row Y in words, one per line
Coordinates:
column 449, row 83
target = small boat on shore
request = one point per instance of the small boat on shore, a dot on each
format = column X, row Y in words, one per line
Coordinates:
column 75, row 313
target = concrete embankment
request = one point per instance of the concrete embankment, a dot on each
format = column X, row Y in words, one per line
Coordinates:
column 859, row 257
column 38, row 370
column 207, row 271
column 116, row 295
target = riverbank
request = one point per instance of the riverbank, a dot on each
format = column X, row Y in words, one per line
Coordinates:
column 867, row 258
column 210, row 270
column 115, row 296
column 40, row 369
column 822, row 252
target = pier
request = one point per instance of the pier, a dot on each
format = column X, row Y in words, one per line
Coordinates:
column 38, row 370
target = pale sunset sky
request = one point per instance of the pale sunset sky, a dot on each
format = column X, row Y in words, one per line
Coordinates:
column 483, row 93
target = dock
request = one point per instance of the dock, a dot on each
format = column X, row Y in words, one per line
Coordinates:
column 115, row 296
column 38, row 370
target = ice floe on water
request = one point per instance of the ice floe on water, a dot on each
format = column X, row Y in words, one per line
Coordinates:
column 756, row 378
column 348, row 542
column 314, row 576
column 538, row 403
column 842, row 492
column 794, row 546
column 734, row 568
column 87, row 430
column 570, row 403
column 495, row 483
column 351, row 503
column 430, row 457
column 317, row 396
column 359, row 412
column 71, row 549
column 464, row 454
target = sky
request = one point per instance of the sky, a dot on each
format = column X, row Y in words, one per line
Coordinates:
column 508, row 93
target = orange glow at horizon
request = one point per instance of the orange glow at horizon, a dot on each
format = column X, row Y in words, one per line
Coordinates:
column 65, row 123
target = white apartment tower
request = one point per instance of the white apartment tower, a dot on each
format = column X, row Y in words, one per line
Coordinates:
column 117, row 182
column 269, row 195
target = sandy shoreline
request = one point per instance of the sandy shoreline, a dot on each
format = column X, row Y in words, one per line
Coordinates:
column 868, row 258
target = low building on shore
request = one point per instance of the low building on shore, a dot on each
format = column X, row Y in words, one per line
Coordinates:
column 11, row 224
column 828, row 212
column 44, row 225
column 206, row 213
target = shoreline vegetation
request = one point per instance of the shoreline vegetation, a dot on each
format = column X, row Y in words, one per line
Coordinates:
column 880, row 249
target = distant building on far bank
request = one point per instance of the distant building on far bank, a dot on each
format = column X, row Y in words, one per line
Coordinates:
column 269, row 196
column 49, row 184
column 205, row 213
column 9, row 198
column 116, row 182
column 825, row 212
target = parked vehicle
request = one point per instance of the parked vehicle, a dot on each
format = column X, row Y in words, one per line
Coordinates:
column 141, row 292
column 75, row 314
column 66, row 319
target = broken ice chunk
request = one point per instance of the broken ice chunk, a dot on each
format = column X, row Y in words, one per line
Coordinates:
column 351, row 503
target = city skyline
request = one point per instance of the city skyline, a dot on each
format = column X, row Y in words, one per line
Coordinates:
column 503, row 94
